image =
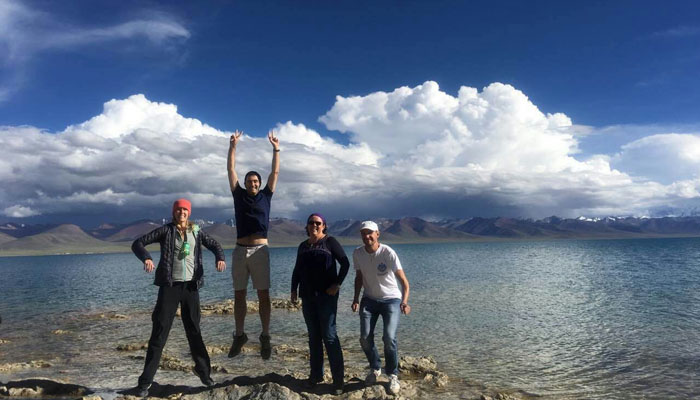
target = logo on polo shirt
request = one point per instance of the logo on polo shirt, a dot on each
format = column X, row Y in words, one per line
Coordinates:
column 381, row 269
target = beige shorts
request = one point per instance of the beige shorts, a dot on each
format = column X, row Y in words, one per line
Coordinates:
column 253, row 262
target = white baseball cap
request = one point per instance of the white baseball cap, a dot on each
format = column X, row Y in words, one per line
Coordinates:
column 371, row 225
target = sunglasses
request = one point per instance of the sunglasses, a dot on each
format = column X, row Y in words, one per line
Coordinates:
column 316, row 223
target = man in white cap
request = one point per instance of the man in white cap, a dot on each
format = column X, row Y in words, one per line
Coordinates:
column 378, row 270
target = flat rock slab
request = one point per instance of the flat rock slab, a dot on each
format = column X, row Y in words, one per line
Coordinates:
column 43, row 388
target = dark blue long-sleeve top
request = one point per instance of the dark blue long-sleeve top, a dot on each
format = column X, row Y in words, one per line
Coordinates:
column 316, row 268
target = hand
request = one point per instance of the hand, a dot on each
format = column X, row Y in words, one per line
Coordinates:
column 221, row 266
column 355, row 306
column 148, row 266
column 275, row 141
column 333, row 290
column 405, row 308
column 235, row 138
column 294, row 297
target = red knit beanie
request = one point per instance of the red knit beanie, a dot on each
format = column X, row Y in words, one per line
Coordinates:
column 182, row 203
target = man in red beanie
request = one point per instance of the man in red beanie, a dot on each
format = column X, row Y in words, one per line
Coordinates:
column 179, row 276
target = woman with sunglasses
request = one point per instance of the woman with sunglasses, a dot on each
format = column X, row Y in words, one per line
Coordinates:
column 318, row 280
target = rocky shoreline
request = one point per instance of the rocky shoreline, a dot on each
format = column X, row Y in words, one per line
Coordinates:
column 244, row 377
column 420, row 379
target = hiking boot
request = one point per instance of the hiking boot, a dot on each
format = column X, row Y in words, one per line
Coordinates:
column 265, row 346
column 372, row 376
column 311, row 383
column 394, row 385
column 338, row 389
column 142, row 390
column 206, row 381
column 238, row 342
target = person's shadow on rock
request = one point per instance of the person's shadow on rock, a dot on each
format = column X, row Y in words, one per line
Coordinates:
column 288, row 381
column 292, row 383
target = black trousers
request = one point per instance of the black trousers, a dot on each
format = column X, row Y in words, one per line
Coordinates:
column 187, row 296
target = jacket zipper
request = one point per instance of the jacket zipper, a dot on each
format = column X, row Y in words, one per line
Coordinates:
column 184, row 264
column 170, row 276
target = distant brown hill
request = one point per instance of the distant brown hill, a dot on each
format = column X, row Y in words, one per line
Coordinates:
column 4, row 238
column 347, row 228
column 65, row 238
column 503, row 227
column 132, row 232
column 104, row 230
column 286, row 232
column 21, row 230
column 407, row 229
column 563, row 228
column 21, row 239
column 224, row 234
column 410, row 228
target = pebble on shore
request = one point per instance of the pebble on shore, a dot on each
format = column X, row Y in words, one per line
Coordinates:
column 226, row 307
column 10, row 367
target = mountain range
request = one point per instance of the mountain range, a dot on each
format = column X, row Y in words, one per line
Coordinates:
column 20, row 239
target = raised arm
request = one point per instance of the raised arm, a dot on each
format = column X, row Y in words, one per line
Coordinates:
column 231, row 163
column 275, row 170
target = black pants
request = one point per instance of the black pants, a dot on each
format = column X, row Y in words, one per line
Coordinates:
column 187, row 295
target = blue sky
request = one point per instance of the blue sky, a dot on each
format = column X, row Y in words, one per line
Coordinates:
column 621, row 75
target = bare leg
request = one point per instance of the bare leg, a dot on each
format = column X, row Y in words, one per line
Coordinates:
column 264, row 310
column 240, row 308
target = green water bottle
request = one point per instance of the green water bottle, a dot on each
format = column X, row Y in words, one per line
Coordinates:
column 185, row 251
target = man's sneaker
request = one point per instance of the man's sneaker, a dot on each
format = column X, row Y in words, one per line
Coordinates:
column 142, row 390
column 265, row 347
column 394, row 385
column 238, row 342
column 371, row 378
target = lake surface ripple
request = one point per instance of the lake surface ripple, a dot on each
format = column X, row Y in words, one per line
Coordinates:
column 593, row 319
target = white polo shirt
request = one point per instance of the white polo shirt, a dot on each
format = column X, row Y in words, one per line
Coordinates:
column 378, row 272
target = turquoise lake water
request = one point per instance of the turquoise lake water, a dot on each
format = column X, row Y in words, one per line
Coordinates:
column 577, row 319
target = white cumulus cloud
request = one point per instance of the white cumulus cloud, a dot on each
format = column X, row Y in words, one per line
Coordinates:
column 488, row 151
column 18, row 211
column 497, row 127
column 140, row 154
column 664, row 158
column 412, row 151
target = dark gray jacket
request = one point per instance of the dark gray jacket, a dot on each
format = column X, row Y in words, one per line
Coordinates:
column 165, row 235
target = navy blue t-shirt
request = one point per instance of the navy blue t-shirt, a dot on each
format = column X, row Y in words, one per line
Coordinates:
column 252, row 212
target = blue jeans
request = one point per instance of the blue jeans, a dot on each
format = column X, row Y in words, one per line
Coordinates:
column 319, row 314
column 370, row 310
